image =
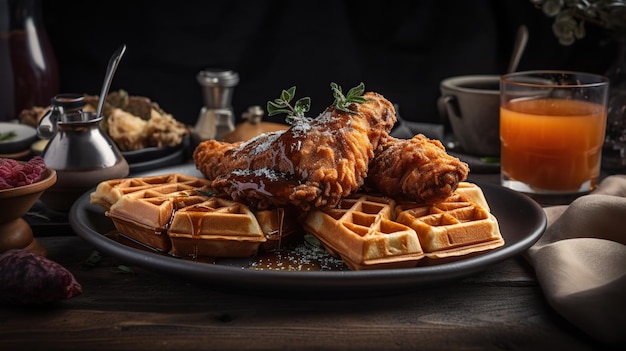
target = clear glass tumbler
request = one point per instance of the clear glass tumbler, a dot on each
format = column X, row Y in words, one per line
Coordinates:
column 552, row 128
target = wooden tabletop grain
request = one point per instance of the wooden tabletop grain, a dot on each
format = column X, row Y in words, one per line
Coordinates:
column 499, row 308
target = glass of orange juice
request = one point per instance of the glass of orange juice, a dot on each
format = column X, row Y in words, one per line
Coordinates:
column 552, row 127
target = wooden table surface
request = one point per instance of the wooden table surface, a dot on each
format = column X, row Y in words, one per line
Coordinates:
column 499, row 308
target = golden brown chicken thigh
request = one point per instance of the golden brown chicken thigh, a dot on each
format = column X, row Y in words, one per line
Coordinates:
column 417, row 169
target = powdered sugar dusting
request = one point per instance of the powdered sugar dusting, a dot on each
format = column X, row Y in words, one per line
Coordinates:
column 260, row 143
column 303, row 257
column 257, row 173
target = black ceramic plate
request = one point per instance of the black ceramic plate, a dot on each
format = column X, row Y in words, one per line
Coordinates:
column 151, row 158
column 173, row 158
column 521, row 221
column 478, row 164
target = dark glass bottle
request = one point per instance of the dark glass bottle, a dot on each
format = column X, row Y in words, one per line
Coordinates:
column 26, row 59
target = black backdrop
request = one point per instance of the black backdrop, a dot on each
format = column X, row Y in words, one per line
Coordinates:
column 401, row 49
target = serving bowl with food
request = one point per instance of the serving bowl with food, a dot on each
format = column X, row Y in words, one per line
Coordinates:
column 147, row 136
column 21, row 185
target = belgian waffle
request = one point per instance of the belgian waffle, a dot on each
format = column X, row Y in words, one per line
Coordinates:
column 280, row 226
column 216, row 227
column 109, row 192
column 144, row 215
column 459, row 225
column 362, row 232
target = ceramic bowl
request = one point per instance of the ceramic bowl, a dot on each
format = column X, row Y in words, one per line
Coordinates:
column 15, row 232
column 24, row 136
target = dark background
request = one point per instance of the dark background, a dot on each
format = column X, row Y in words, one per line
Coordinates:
column 401, row 49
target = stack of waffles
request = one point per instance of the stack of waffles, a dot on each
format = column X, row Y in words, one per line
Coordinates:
column 175, row 214
column 370, row 232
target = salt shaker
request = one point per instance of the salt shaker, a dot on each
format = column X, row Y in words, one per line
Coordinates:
column 216, row 116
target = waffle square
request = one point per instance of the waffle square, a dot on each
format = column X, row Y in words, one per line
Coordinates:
column 362, row 232
column 144, row 215
column 459, row 225
column 109, row 192
column 280, row 226
column 216, row 227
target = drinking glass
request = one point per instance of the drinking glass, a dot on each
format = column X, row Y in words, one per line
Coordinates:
column 552, row 128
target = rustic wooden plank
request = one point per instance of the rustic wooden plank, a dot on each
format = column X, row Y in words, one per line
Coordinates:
column 500, row 308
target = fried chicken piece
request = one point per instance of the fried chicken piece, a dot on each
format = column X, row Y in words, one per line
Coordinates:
column 418, row 169
column 313, row 164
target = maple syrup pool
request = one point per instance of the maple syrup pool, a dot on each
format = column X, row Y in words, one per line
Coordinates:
column 300, row 255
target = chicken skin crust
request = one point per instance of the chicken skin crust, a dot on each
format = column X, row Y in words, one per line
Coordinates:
column 313, row 164
column 417, row 169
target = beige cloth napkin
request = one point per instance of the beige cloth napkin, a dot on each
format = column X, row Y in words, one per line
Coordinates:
column 580, row 261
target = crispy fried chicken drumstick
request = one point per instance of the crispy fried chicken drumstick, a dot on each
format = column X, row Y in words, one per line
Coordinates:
column 313, row 164
column 418, row 169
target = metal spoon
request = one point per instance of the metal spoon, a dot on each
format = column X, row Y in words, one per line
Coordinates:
column 518, row 48
column 113, row 62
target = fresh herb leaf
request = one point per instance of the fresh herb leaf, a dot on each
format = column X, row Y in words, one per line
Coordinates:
column 342, row 102
column 283, row 105
column 122, row 269
column 493, row 160
column 91, row 261
column 207, row 193
column 7, row 136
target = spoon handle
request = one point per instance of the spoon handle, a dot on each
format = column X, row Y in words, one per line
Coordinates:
column 518, row 48
column 113, row 62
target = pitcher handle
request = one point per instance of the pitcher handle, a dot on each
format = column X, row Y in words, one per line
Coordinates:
column 47, row 126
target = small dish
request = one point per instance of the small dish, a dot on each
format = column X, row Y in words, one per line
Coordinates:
column 15, row 232
column 19, row 137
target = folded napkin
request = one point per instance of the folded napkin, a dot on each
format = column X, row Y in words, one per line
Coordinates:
column 580, row 261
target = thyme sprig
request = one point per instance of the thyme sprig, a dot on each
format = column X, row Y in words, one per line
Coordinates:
column 342, row 102
column 283, row 105
column 7, row 136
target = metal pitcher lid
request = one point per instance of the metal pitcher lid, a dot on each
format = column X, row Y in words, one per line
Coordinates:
column 69, row 101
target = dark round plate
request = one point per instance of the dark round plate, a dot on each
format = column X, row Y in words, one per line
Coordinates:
column 478, row 164
column 152, row 158
column 173, row 158
column 149, row 153
column 521, row 221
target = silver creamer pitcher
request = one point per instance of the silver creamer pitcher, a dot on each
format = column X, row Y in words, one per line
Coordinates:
column 80, row 152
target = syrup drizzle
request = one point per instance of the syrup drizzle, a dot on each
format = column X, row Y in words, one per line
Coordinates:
column 281, row 221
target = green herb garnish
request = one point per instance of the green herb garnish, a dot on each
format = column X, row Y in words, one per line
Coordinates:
column 122, row 269
column 488, row 159
column 91, row 261
column 283, row 105
column 7, row 136
column 343, row 102
column 207, row 193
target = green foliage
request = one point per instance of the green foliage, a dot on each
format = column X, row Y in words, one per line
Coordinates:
column 301, row 106
column 283, row 105
column 354, row 95
column 570, row 17
column 7, row 136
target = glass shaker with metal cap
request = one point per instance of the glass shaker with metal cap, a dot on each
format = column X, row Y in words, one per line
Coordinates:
column 216, row 116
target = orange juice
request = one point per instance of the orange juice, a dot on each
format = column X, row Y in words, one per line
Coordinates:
column 552, row 144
